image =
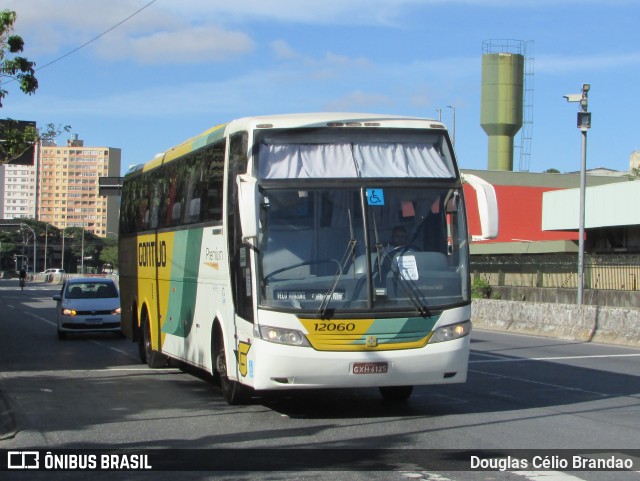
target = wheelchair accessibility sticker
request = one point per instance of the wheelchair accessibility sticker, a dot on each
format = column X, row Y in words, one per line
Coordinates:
column 375, row 196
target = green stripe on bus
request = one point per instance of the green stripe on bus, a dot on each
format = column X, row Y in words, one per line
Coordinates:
column 400, row 330
column 183, row 287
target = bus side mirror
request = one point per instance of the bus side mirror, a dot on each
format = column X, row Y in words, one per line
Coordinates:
column 487, row 205
column 248, row 205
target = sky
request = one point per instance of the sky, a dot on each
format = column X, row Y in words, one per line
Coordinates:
column 145, row 75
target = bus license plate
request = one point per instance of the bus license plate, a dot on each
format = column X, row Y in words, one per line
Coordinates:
column 370, row 368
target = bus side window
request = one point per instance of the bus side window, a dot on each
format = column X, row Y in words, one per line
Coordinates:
column 157, row 187
column 213, row 172
column 193, row 187
column 173, row 195
column 142, row 205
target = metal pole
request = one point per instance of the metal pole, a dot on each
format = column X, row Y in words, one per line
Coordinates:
column 82, row 249
column 46, row 244
column 583, row 184
column 34, row 246
column 62, row 260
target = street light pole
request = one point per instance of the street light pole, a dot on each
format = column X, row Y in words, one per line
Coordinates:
column 583, row 188
column 584, row 124
column 82, row 251
column 34, row 246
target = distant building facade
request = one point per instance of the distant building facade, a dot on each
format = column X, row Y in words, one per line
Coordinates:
column 634, row 161
column 17, row 191
column 68, row 186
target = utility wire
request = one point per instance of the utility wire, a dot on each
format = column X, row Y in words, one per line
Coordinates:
column 96, row 37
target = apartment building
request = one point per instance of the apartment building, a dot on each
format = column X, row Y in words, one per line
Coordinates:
column 68, row 186
column 17, row 191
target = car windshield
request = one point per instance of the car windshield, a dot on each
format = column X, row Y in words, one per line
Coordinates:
column 91, row 290
column 350, row 249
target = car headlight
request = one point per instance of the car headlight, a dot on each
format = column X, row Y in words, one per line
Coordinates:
column 279, row 335
column 115, row 312
column 68, row 312
column 451, row 332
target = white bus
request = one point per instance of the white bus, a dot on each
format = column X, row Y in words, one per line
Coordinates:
column 303, row 251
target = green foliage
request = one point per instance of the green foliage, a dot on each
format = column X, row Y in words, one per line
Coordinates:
column 480, row 288
column 551, row 171
column 14, row 67
column 634, row 174
column 15, row 139
column 109, row 255
column 18, row 240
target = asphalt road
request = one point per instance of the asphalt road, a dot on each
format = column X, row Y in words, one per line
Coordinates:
column 523, row 393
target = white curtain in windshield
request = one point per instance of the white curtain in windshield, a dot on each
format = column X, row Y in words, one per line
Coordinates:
column 299, row 161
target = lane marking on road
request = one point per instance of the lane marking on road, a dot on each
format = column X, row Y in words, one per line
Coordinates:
column 554, row 358
column 40, row 318
column 54, row 324
column 145, row 370
column 547, row 476
column 119, row 351
column 424, row 476
column 540, row 383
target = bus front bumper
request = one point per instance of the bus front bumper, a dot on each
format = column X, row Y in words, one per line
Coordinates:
column 276, row 366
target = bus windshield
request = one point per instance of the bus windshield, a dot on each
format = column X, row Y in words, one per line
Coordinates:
column 355, row 249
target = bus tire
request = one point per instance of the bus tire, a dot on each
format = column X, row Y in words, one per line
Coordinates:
column 152, row 357
column 232, row 391
column 396, row 393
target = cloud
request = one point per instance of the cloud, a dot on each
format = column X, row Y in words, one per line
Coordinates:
column 283, row 50
column 558, row 64
column 187, row 45
column 359, row 100
column 153, row 35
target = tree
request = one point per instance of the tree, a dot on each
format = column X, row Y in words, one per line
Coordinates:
column 17, row 68
column 551, row 171
column 634, row 174
column 109, row 255
column 18, row 139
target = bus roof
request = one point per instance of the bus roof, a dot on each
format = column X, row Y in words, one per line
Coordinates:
column 302, row 120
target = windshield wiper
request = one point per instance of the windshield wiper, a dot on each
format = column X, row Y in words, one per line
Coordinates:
column 409, row 288
column 348, row 253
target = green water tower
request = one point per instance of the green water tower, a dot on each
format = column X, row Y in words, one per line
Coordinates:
column 501, row 112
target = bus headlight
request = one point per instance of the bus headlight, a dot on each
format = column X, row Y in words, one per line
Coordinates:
column 279, row 335
column 451, row 332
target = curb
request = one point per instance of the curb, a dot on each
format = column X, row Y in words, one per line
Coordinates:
column 7, row 418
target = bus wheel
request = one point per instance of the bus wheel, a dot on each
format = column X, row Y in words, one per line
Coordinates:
column 147, row 354
column 232, row 391
column 396, row 393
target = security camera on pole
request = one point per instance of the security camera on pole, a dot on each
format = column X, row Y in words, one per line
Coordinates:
column 584, row 124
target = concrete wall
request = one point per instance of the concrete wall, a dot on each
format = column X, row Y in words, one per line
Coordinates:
column 587, row 323
column 557, row 295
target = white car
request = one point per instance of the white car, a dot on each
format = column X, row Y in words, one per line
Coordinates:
column 88, row 304
column 53, row 271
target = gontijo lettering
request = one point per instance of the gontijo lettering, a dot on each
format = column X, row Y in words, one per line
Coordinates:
column 150, row 255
